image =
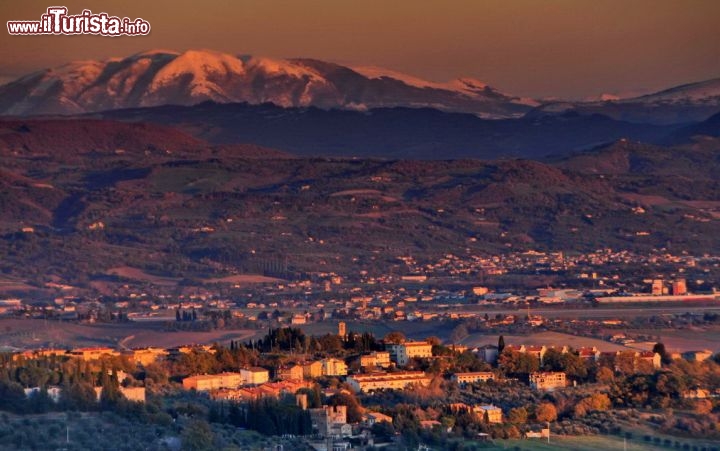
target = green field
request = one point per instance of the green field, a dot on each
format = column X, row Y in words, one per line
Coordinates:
column 598, row 442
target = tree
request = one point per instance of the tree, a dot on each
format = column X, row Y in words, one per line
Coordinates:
column 40, row 401
column 448, row 422
column 110, row 394
column 434, row 341
column 553, row 360
column 12, row 396
column 703, row 406
column 197, row 435
column 459, row 333
column 546, row 412
column 516, row 363
column 670, row 385
column 659, row 348
column 354, row 410
column 625, row 362
column 383, row 430
column 395, row 337
column 599, row 402
column 574, row 366
column 518, row 415
column 78, row 395
column 501, row 344
column 594, row 402
column 604, row 375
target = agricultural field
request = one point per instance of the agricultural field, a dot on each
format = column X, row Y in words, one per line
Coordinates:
column 686, row 339
column 36, row 333
column 544, row 338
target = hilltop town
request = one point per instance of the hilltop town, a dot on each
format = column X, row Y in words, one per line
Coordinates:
column 349, row 390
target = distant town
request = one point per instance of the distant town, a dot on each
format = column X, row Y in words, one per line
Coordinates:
column 345, row 361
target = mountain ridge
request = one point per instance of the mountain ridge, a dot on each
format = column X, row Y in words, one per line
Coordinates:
column 159, row 77
column 165, row 77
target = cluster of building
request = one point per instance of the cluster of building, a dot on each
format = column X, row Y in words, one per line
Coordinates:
column 131, row 393
column 490, row 354
column 584, row 265
column 266, row 389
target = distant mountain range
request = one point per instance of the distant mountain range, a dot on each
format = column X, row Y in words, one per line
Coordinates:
column 162, row 77
column 413, row 133
column 682, row 104
column 314, row 108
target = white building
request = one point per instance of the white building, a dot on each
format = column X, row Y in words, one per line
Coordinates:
column 403, row 352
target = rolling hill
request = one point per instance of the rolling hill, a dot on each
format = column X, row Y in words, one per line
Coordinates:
column 72, row 214
column 417, row 133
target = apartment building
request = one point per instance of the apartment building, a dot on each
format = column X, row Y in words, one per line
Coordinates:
column 402, row 353
column 387, row 381
column 207, row 382
column 375, row 359
column 547, row 380
column 471, row 378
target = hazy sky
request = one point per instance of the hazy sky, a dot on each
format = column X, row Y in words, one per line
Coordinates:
column 562, row 48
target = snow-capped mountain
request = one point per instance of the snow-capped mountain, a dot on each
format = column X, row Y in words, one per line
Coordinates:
column 160, row 77
column 702, row 92
column 687, row 103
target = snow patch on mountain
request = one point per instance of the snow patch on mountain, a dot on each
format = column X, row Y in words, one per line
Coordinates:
column 692, row 92
column 381, row 72
column 75, row 76
column 159, row 77
column 278, row 67
column 204, row 67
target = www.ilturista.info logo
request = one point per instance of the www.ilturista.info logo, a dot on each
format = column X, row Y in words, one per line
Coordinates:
column 57, row 21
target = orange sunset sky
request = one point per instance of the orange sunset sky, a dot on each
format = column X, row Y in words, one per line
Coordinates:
column 540, row 48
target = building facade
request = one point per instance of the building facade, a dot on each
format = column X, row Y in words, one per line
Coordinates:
column 471, row 378
column 330, row 421
column 402, row 353
column 334, row 367
column 207, row 382
column 291, row 373
column 312, row 370
column 547, row 380
column 254, row 375
column 489, row 413
column 387, row 381
column 380, row 359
